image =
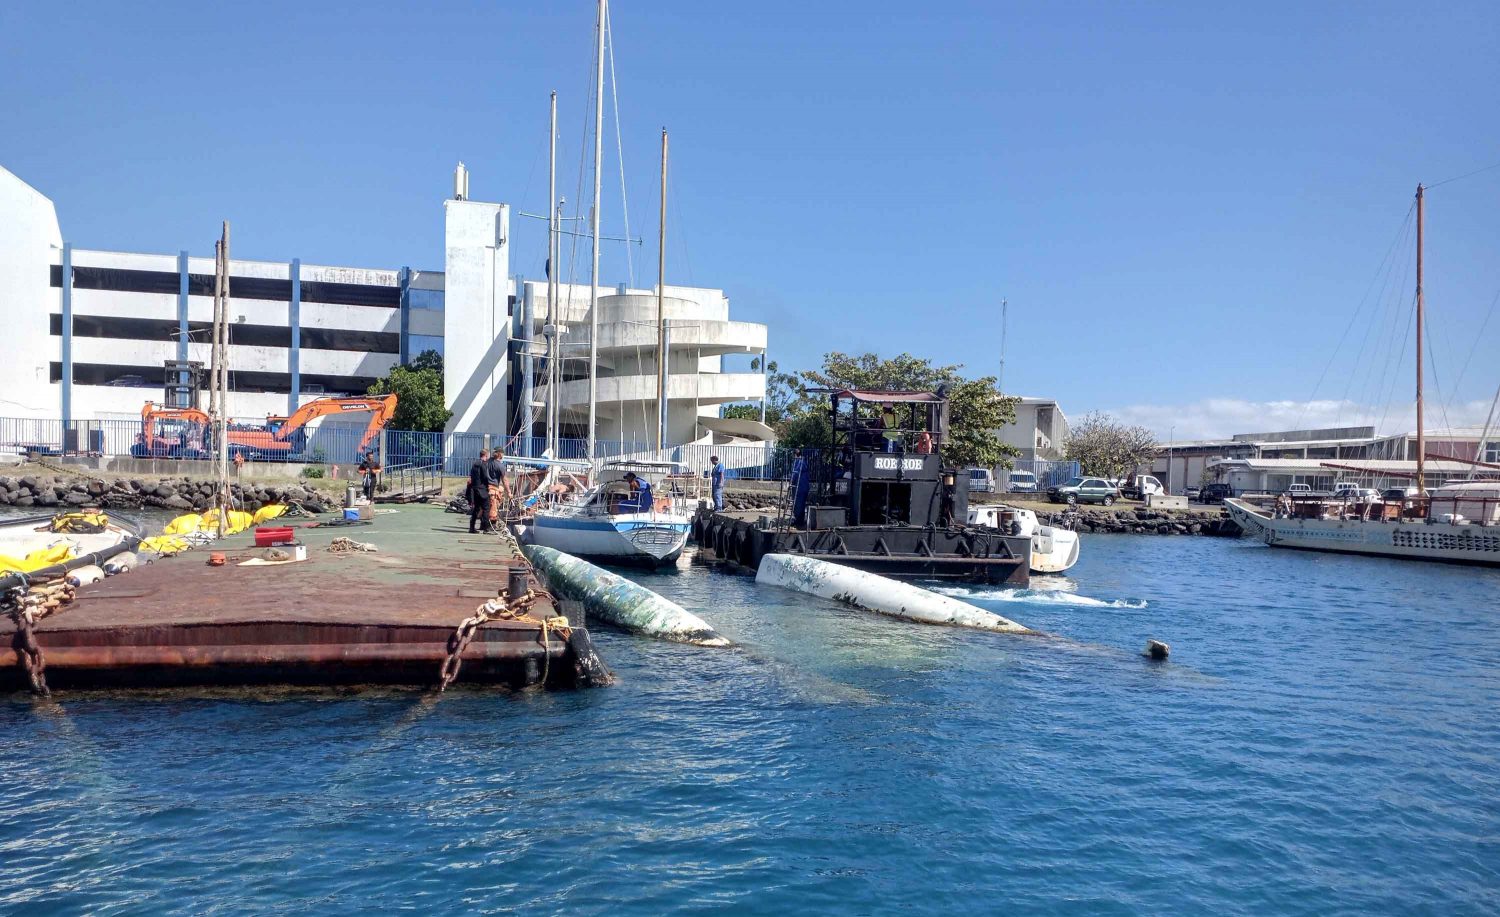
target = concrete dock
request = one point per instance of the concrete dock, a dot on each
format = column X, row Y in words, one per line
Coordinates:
column 387, row 617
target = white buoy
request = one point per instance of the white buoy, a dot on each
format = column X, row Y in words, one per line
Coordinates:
column 83, row 576
column 120, row 563
column 876, row 593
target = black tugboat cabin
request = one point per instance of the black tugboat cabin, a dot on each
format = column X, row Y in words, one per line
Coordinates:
column 883, row 463
column 876, row 496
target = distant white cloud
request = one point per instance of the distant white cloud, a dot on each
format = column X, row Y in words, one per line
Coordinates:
column 1220, row 418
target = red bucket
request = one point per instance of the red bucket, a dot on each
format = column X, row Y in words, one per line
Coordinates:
column 265, row 537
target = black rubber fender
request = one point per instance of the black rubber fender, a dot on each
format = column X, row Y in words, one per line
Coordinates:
column 745, row 550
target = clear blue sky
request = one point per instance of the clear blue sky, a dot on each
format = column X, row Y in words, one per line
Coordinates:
column 1181, row 203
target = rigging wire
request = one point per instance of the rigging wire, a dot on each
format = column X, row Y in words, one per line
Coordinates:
column 1390, row 391
column 1383, row 307
column 1495, row 165
column 1400, row 232
column 1436, row 383
column 1484, row 434
column 1457, row 386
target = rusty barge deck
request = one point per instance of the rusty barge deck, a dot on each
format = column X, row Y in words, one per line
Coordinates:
column 333, row 619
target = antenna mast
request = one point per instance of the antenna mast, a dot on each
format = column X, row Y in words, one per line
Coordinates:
column 1004, row 314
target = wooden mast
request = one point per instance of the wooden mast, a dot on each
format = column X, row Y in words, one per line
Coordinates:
column 1421, row 431
column 661, row 312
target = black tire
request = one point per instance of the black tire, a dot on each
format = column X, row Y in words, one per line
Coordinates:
column 745, row 549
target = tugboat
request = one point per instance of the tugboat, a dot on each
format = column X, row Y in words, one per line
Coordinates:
column 876, row 497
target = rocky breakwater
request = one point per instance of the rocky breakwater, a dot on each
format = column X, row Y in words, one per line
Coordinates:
column 182, row 494
column 1144, row 521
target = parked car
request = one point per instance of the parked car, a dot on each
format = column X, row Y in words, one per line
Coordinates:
column 1398, row 494
column 1358, row 495
column 1140, row 487
column 981, row 481
column 1021, row 482
column 1215, row 493
column 1085, row 490
column 1192, row 492
column 1306, row 490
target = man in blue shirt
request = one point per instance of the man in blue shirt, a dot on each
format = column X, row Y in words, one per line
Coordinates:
column 640, row 500
column 716, row 482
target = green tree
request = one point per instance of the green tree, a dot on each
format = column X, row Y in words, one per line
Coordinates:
column 418, row 387
column 741, row 412
column 976, row 408
column 1106, row 447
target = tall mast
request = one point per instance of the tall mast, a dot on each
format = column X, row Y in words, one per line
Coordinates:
column 221, row 345
column 661, row 310
column 594, row 219
column 1421, row 431
column 551, row 279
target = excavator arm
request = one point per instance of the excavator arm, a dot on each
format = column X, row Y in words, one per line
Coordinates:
column 380, row 407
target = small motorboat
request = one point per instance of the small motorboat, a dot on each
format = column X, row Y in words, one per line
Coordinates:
column 1053, row 549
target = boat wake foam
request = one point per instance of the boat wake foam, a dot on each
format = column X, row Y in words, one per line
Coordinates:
column 1036, row 597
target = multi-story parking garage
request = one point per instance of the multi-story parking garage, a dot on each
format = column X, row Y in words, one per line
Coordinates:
column 90, row 331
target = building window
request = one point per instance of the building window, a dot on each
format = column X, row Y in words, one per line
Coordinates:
column 1492, row 451
column 419, row 343
column 425, row 299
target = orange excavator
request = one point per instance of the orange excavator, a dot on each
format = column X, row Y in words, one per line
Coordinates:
column 186, row 432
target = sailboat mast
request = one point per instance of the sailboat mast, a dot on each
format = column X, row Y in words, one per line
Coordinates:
column 661, row 311
column 221, row 345
column 551, row 281
column 594, row 220
column 1421, row 431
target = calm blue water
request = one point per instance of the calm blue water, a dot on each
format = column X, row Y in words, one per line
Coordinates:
column 1326, row 738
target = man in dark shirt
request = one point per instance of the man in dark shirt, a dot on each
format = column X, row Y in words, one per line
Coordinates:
column 369, row 469
column 479, row 492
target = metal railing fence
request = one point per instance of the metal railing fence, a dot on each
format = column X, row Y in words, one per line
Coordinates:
column 334, row 443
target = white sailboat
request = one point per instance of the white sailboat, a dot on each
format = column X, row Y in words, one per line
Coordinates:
column 1454, row 523
column 608, row 521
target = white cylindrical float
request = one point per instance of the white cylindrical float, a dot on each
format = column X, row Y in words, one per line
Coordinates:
column 871, row 592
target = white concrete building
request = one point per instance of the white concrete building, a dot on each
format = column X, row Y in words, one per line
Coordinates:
column 699, row 335
column 90, row 331
column 1040, row 431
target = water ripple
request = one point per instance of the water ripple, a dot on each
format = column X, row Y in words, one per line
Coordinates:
column 1324, row 739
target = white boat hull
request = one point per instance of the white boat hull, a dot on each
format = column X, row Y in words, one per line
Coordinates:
column 1465, row 544
column 654, row 538
column 1053, row 549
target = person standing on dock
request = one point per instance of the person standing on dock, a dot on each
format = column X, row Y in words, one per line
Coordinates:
column 716, row 482
column 369, row 468
column 499, row 490
column 479, row 493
